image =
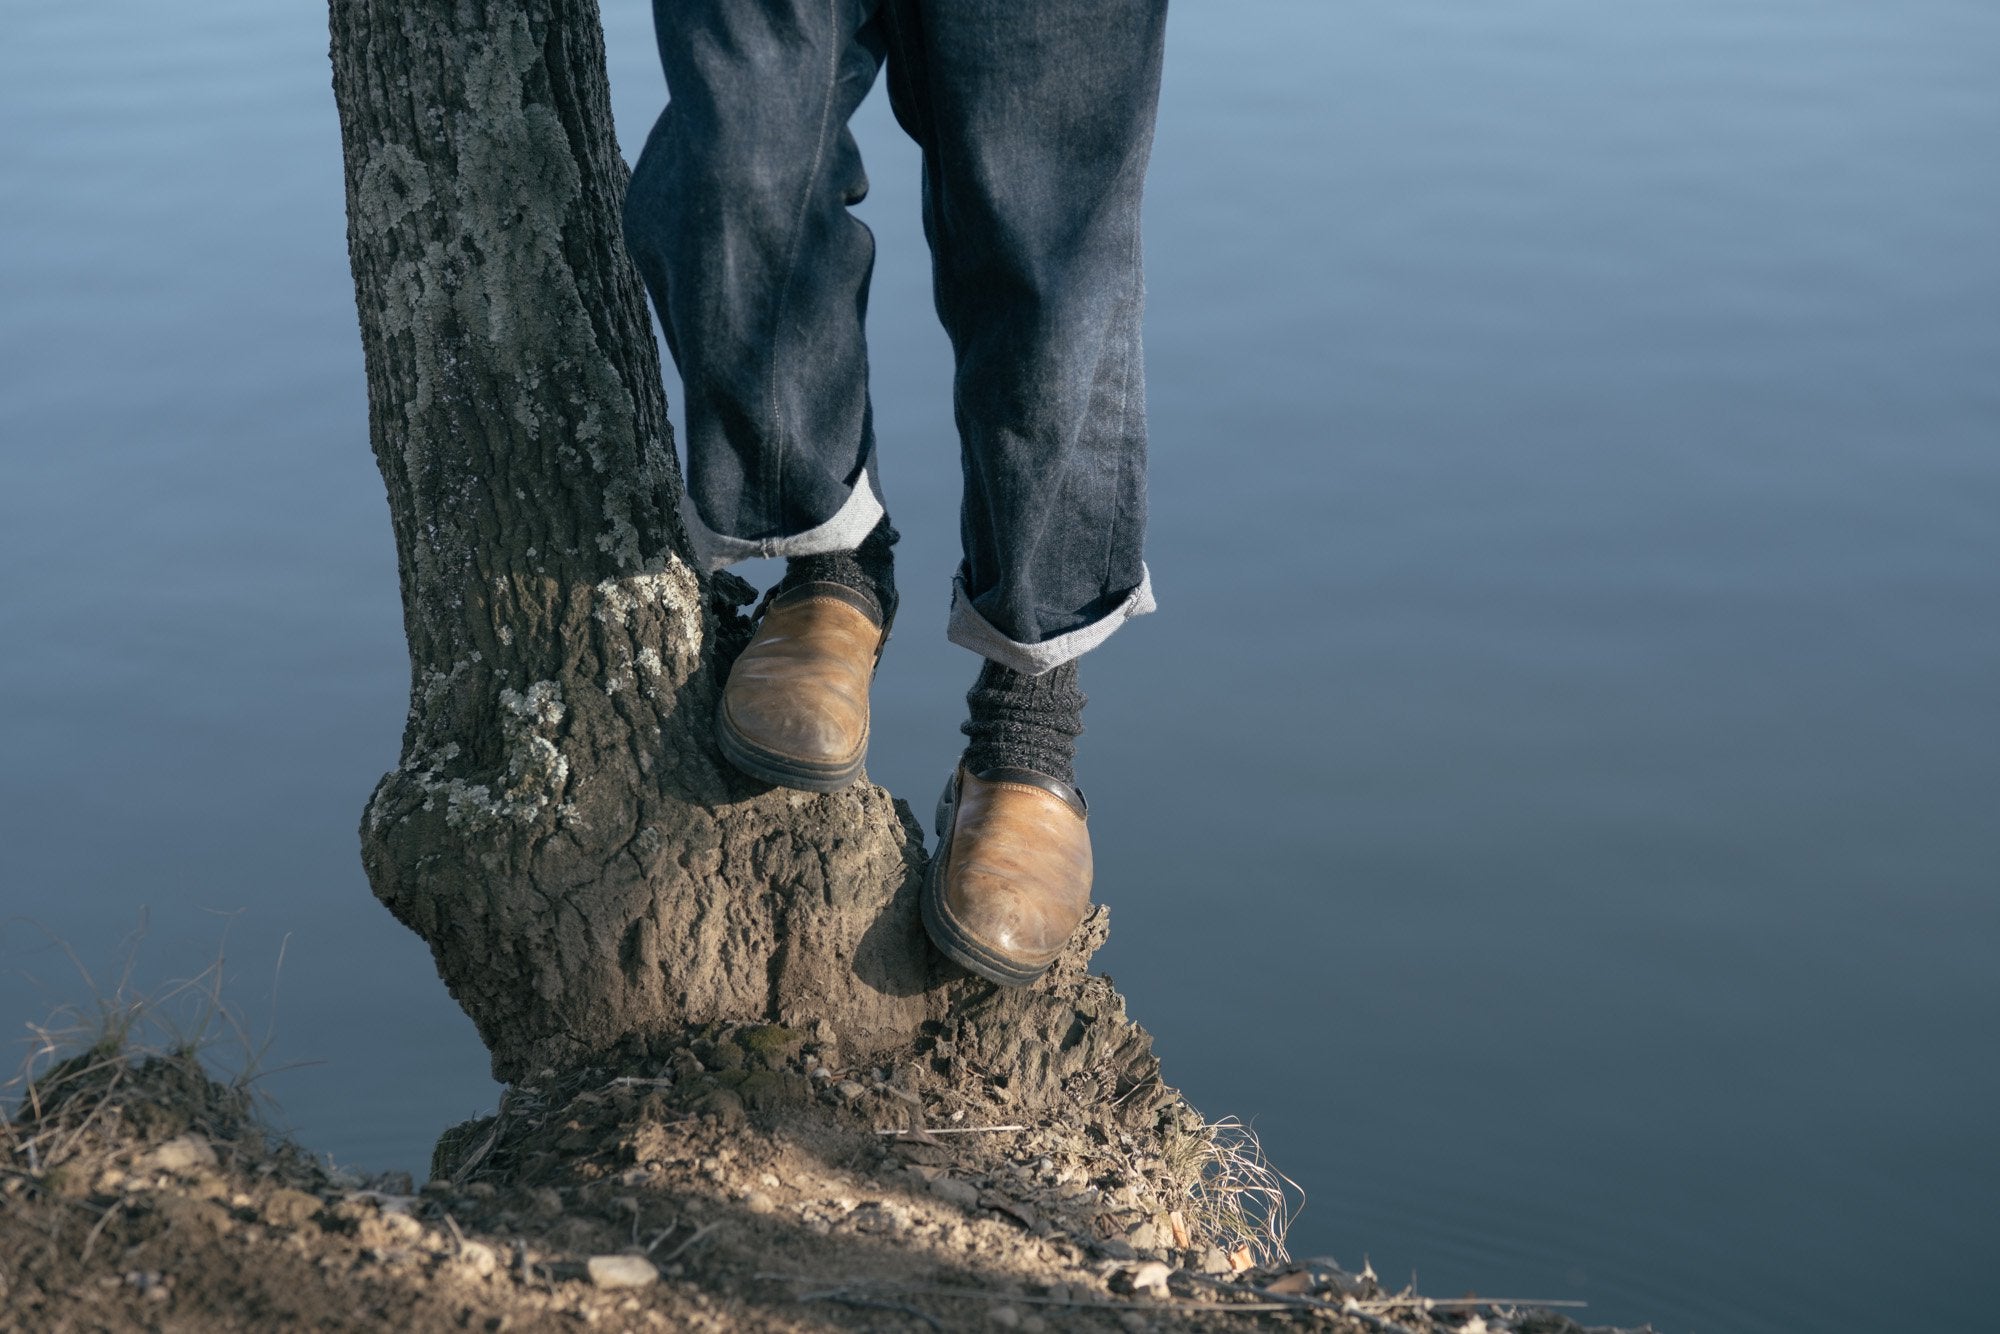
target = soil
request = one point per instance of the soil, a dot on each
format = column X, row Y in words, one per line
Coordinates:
column 746, row 1182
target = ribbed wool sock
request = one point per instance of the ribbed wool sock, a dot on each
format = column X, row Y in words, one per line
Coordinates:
column 1031, row 722
column 870, row 567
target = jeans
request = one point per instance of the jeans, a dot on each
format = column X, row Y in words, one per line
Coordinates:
column 1035, row 121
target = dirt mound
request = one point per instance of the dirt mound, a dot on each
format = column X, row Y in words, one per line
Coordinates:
column 746, row 1181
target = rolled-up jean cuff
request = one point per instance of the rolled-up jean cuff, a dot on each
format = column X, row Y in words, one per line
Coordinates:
column 853, row 521
column 968, row 629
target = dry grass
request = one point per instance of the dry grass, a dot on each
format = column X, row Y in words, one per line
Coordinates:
column 1234, row 1196
column 67, row 1097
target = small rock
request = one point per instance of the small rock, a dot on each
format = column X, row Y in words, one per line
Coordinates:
column 1144, row 1237
column 386, row 1232
column 720, row 1105
column 622, row 1271
column 1004, row 1316
column 768, row 1179
column 546, row 1202
column 757, row 1202
column 953, row 1191
column 1149, row 1276
column 205, row 1185
column 181, row 1155
column 1133, row 1320
column 1033, row 1324
column 481, row 1190
column 849, row 1091
column 480, row 1258
column 1117, row 1248
column 1214, row 1261
column 201, row 1216
column 290, row 1208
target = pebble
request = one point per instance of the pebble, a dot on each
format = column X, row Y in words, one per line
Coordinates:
column 622, row 1271
column 181, row 1155
column 290, row 1208
column 953, row 1191
column 1151, row 1277
column 1133, row 1320
column 757, row 1202
column 1004, row 1316
column 480, row 1258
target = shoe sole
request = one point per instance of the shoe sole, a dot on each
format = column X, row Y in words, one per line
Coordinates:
column 783, row 770
column 951, row 939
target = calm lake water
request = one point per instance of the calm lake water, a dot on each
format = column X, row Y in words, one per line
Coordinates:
column 1559, row 800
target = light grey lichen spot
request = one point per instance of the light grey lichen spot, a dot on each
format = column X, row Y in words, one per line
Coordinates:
column 670, row 597
column 535, row 774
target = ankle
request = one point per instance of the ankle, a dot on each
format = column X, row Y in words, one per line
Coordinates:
column 1027, row 722
column 869, row 568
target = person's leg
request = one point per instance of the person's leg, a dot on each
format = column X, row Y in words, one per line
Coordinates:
column 738, row 218
column 1036, row 122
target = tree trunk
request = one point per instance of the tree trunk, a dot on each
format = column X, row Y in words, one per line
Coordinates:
column 591, row 876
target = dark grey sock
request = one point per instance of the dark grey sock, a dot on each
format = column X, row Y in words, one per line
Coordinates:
column 870, row 567
column 1031, row 722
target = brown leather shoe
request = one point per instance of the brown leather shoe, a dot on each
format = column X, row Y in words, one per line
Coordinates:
column 1011, row 878
column 795, row 710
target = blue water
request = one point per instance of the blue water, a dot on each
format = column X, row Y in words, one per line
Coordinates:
column 1559, row 799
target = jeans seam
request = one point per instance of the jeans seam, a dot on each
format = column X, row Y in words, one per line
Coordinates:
column 775, row 498
column 1128, row 354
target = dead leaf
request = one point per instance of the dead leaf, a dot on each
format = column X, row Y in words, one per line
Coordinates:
column 1020, row 1213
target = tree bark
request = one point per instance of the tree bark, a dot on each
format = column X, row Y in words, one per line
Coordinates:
column 591, row 876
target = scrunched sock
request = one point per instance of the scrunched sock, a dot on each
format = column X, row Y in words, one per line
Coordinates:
column 870, row 568
column 1030, row 722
